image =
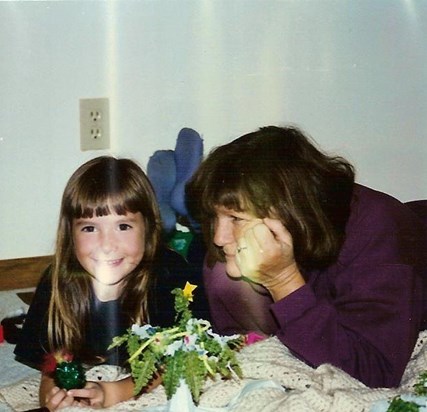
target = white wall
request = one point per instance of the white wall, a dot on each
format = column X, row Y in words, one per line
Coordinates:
column 353, row 74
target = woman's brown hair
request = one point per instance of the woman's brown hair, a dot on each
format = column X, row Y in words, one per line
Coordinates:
column 99, row 187
column 278, row 172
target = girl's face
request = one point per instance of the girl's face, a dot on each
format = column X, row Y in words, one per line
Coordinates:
column 109, row 248
column 229, row 227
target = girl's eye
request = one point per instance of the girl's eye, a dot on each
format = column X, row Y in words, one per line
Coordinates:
column 89, row 229
column 124, row 226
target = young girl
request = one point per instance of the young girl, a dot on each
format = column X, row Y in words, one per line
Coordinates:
column 102, row 279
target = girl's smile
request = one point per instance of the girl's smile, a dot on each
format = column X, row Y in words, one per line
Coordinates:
column 109, row 248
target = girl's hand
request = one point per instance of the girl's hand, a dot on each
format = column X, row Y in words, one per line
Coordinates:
column 104, row 394
column 91, row 395
column 265, row 255
column 58, row 398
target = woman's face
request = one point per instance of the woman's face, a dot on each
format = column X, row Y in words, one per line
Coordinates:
column 229, row 227
column 109, row 248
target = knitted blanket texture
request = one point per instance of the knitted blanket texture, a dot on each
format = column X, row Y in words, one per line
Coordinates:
column 298, row 388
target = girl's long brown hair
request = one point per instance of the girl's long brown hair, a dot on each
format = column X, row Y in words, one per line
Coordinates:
column 99, row 187
column 278, row 172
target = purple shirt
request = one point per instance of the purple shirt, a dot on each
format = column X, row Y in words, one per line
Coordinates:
column 361, row 314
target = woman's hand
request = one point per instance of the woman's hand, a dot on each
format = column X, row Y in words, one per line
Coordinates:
column 265, row 255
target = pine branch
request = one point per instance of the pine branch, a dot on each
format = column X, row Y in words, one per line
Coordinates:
column 194, row 374
column 189, row 351
column 173, row 372
column 143, row 371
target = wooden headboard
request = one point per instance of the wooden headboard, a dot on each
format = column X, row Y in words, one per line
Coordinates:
column 23, row 272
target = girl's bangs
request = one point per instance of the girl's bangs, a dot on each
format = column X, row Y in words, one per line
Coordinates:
column 103, row 205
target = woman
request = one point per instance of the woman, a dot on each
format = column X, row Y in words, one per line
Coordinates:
column 333, row 268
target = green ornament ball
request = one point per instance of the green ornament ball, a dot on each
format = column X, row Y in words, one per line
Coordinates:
column 70, row 375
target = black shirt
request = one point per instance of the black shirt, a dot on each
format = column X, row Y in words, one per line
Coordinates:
column 106, row 318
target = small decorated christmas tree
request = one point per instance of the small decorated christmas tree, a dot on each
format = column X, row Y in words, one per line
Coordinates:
column 188, row 352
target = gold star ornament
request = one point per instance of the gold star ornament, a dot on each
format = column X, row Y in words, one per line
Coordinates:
column 188, row 291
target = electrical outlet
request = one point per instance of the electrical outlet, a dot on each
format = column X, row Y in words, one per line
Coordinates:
column 94, row 124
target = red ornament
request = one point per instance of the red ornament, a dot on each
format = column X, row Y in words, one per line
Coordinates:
column 49, row 363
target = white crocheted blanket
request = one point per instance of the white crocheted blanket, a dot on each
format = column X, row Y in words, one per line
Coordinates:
column 274, row 380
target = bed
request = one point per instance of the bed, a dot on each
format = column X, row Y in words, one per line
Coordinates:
column 274, row 380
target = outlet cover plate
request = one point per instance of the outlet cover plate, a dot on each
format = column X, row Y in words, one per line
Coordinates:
column 94, row 124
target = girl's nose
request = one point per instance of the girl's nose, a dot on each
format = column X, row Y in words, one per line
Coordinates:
column 223, row 233
column 108, row 242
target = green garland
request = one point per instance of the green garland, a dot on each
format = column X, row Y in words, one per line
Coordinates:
column 187, row 351
column 415, row 402
column 420, row 388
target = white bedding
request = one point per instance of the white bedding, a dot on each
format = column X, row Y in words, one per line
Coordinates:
column 10, row 370
column 325, row 388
